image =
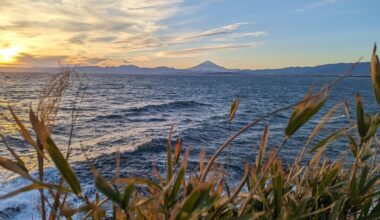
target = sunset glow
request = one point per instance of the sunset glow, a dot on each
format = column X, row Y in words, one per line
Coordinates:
column 7, row 55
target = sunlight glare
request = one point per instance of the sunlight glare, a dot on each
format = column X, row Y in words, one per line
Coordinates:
column 8, row 54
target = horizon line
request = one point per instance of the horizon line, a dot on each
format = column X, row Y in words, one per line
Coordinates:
column 124, row 65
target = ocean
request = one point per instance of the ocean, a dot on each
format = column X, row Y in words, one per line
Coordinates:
column 134, row 113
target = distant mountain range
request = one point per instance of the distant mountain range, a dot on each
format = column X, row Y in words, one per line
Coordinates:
column 208, row 67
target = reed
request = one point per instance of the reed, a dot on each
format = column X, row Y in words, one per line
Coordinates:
column 320, row 189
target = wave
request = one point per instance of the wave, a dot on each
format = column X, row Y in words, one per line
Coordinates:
column 21, row 206
column 154, row 145
column 338, row 117
column 151, row 109
column 168, row 106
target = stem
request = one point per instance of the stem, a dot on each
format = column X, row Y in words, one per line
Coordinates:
column 229, row 149
column 40, row 160
column 376, row 153
column 271, row 159
column 88, row 214
column 236, row 193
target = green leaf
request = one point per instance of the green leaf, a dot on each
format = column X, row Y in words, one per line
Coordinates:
column 353, row 145
column 177, row 184
column 62, row 165
column 374, row 123
column 363, row 178
column 104, row 187
column 198, row 198
column 127, row 196
column 337, row 209
column 375, row 74
column 354, row 193
column 278, row 188
column 327, row 179
column 191, row 201
column 299, row 119
column 329, row 139
column 370, row 183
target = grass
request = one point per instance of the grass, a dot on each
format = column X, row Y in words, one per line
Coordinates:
column 320, row 189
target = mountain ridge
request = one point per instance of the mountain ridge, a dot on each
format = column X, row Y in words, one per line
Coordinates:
column 209, row 67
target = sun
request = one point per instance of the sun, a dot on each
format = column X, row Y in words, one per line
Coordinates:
column 8, row 54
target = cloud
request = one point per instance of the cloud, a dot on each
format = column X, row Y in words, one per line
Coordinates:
column 317, row 4
column 67, row 26
column 103, row 39
column 217, row 31
column 105, row 32
column 238, row 36
column 197, row 50
column 78, row 39
column 250, row 34
column 29, row 60
column 190, row 37
column 134, row 42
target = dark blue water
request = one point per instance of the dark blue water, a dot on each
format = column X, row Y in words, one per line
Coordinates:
column 134, row 114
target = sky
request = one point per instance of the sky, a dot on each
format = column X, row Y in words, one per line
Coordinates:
column 245, row 34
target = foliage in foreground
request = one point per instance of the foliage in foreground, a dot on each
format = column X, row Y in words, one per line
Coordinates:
column 321, row 189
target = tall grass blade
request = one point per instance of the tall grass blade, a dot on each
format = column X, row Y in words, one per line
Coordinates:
column 24, row 132
column 177, row 184
column 264, row 140
column 104, row 187
column 177, row 151
column 331, row 138
column 15, row 168
column 14, row 154
column 169, row 155
column 305, row 110
column 375, row 74
column 127, row 196
column 63, row 166
column 24, row 189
